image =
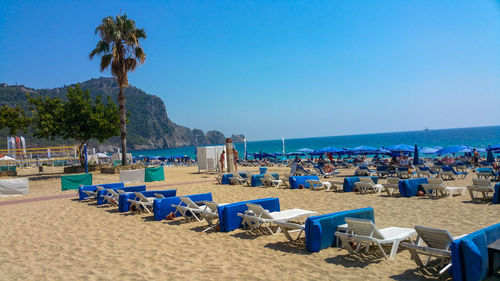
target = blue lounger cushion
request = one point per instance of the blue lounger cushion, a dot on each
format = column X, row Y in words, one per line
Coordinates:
column 349, row 182
column 469, row 254
column 410, row 187
column 124, row 204
column 300, row 180
column 320, row 230
column 102, row 193
column 228, row 214
column 163, row 207
column 82, row 195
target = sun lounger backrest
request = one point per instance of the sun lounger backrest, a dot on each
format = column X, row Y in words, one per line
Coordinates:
column 228, row 214
column 434, row 238
column 188, row 202
column 320, row 230
column 124, row 204
column 83, row 195
column 259, row 211
column 140, row 197
column 366, row 180
column 126, row 189
column 113, row 193
column 363, row 227
column 163, row 207
column 211, row 205
column 436, row 181
column 481, row 182
column 392, row 180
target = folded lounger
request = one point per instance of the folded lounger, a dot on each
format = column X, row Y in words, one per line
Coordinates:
column 364, row 232
column 256, row 216
column 437, row 245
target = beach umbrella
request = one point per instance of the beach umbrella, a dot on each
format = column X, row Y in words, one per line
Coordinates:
column 430, row 150
column 295, row 154
column 400, row 148
column 453, row 149
column 494, row 148
column 363, row 149
column 382, row 151
column 305, row 150
column 415, row 157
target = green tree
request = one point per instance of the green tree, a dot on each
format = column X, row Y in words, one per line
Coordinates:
column 13, row 118
column 79, row 117
column 119, row 48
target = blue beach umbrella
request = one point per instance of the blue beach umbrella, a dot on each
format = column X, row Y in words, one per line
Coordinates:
column 363, row 149
column 329, row 149
column 306, row 150
column 494, row 148
column 453, row 149
column 415, row 156
column 400, row 148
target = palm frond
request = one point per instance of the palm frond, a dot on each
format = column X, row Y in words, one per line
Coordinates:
column 140, row 55
column 106, row 61
column 130, row 64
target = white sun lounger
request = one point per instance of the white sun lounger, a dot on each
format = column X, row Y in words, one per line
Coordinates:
column 256, row 216
column 436, row 187
column 210, row 213
column 269, row 181
column 93, row 194
column 366, row 185
column 437, row 245
column 392, row 186
column 480, row 185
column 319, row 185
column 364, row 232
column 142, row 201
column 111, row 198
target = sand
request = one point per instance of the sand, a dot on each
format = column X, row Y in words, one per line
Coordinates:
column 65, row 239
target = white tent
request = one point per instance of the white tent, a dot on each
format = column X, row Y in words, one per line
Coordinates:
column 208, row 158
column 14, row 187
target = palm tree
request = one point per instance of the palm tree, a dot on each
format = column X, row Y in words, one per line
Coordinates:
column 119, row 47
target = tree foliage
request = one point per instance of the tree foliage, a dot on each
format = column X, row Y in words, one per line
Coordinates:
column 13, row 118
column 79, row 117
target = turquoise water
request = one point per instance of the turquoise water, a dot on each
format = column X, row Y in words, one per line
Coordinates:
column 475, row 137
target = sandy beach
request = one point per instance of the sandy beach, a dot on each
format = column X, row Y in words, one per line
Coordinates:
column 62, row 238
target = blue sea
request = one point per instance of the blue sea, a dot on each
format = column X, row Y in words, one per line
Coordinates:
column 474, row 137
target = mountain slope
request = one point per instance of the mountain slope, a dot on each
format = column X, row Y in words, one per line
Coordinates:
column 149, row 126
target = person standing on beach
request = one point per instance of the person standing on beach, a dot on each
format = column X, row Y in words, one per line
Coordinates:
column 221, row 160
column 235, row 158
column 476, row 158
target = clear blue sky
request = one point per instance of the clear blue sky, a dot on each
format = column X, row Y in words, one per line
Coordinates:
column 281, row 68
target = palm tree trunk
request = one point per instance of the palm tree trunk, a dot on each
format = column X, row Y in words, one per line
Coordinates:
column 123, row 124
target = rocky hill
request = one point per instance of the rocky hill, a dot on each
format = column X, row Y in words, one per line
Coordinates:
column 149, row 126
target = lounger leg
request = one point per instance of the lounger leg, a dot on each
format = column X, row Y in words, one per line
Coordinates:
column 394, row 249
column 416, row 258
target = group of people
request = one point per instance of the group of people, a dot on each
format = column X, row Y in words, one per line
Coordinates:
column 223, row 157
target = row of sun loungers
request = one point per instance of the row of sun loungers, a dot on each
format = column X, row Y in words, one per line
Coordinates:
column 353, row 230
